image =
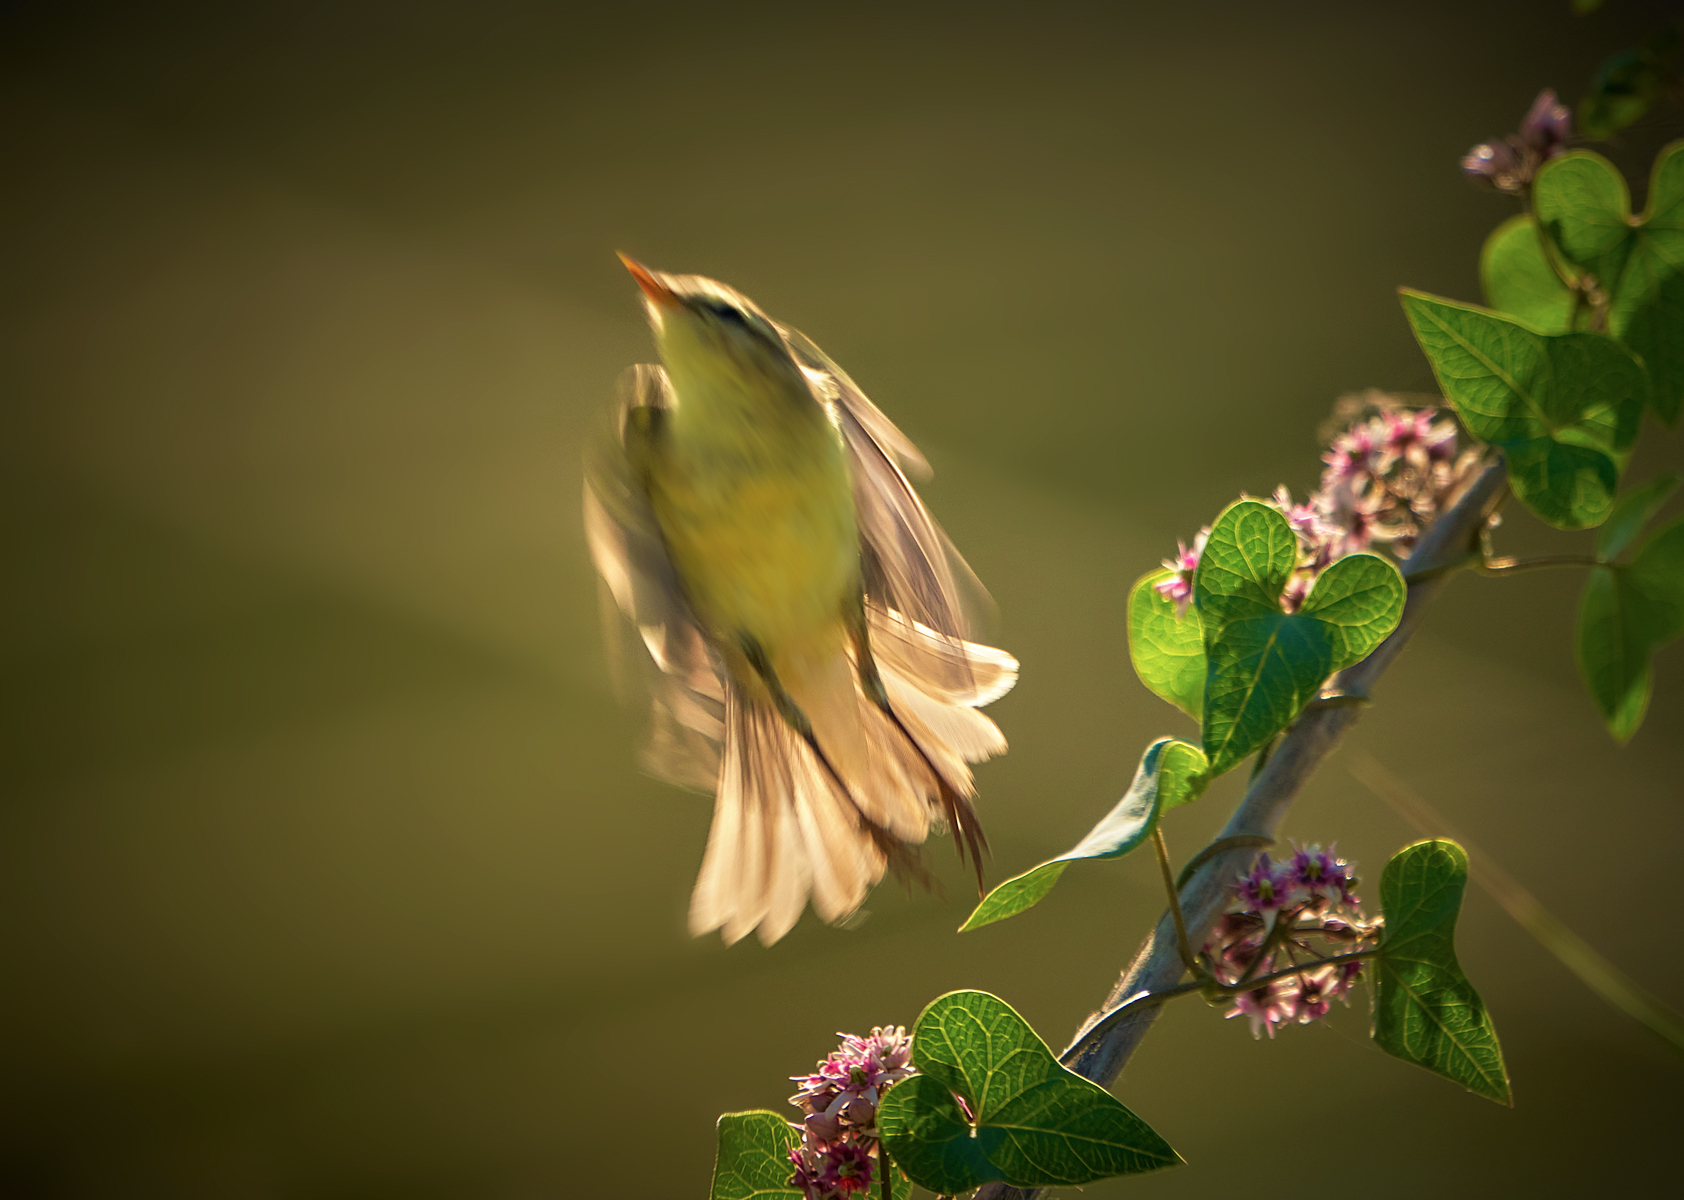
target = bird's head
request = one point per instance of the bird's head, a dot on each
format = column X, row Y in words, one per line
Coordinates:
column 704, row 328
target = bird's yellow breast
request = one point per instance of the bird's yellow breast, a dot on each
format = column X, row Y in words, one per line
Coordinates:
column 756, row 505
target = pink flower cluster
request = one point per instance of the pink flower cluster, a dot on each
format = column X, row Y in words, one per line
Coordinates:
column 1281, row 911
column 1510, row 164
column 1386, row 475
column 838, row 1150
column 1179, row 586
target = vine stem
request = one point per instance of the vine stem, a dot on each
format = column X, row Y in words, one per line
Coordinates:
column 1098, row 1054
column 1181, row 941
column 1509, row 566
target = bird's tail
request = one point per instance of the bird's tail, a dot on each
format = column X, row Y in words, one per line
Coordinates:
column 790, row 823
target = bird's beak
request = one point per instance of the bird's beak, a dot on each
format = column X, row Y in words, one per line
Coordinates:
column 659, row 293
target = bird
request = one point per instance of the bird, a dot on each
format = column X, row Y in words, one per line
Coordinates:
column 750, row 512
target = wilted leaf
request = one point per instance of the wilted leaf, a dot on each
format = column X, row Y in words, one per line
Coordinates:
column 1170, row 773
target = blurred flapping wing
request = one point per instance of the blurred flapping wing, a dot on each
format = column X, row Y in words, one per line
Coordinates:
column 909, row 564
column 687, row 692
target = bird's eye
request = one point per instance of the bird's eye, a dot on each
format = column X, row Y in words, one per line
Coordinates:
column 729, row 312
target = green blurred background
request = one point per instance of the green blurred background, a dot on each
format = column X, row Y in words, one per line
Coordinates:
column 327, row 870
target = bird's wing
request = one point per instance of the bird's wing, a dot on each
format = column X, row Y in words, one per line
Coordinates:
column 910, row 566
column 688, row 693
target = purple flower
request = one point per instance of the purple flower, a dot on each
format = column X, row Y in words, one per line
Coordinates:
column 855, row 1072
column 831, row 1172
column 1305, row 520
column 1496, row 165
column 1263, row 889
column 1439, row 441
column 1510, row 164
column 1403, row 431
column 1348, row 461
column 807, row 1170
column 1311, row 994
column 1491, row 164
column 1235, row 942
column 1317, row 874
column 1547, row 126
column 1360, row 528
column 1415, row 438
column 1297, row 588
column 1266, row 1006
column 1179, row 587
column 846, row 1167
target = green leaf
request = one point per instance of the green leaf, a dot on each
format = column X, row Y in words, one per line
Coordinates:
column 1183, row 774
column 753, row 1157
column 1561, row 407
column 1035, row 1123
column 1631, row 513
column 1654, row 331
column 1518, row 280
column 1170, row 773
column 1627, row 84
column 1425, row 1010
column 1582, row 200
column 1625, row 614
column 1648, row 309
column 1569, row 486
column 1263, row 664
column 1168, row 651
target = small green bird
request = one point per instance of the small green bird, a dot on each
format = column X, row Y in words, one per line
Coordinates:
column 752, row 517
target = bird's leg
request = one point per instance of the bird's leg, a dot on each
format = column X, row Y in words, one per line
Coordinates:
column 961, row 817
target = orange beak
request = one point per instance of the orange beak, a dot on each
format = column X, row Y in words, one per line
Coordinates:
column 658, row 292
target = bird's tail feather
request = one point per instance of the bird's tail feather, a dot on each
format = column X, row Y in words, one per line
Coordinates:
column 786, row 828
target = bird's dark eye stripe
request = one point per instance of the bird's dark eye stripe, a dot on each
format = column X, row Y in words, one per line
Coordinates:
column 728, row 312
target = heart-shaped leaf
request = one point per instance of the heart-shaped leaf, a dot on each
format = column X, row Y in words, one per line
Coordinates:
column 752, row 1162
column 1171, row 773
column 1425, row 1010
column 1517, row 278
column 1166, row 648
column 1263, row 664
column 1582, row 201
column 1562, row 407
column 1032, row 1123
column 1625, row 614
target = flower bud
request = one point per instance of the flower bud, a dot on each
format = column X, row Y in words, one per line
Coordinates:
column 823, row 1126
column 860, row 1111
column 1492, row 164
column 1547, row 125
